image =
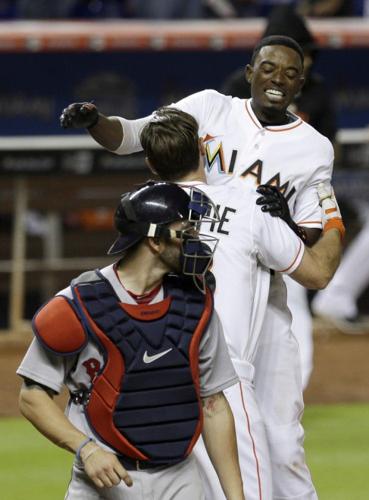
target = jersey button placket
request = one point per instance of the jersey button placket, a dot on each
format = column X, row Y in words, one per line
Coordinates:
column 261, row 133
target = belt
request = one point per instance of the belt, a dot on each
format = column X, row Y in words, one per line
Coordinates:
column 133, row 464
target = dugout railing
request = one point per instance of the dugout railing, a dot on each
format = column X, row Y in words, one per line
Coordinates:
column 125, row 35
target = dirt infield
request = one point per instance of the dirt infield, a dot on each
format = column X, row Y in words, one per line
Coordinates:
column 340, row 373
column 340, row 368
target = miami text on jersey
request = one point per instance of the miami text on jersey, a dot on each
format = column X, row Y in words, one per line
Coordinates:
column 253, row 172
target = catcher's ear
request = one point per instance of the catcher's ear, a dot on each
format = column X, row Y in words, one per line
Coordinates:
column 155, row 245
column 249, row 73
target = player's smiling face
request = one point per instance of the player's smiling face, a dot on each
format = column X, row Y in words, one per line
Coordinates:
column 275, row 78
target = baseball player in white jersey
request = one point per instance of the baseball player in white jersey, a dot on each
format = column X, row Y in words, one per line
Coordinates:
column 261, row 142
column 139, row 350
column 250, row 244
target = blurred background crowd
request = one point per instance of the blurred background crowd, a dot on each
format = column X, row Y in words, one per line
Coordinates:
column 173, row 9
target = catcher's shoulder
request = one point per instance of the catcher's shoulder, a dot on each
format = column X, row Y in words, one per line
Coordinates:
column 57, row 326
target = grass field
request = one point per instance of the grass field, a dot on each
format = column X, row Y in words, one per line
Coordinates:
column 337, row 445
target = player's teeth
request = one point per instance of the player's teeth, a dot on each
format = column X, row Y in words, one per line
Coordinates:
column 274, row 92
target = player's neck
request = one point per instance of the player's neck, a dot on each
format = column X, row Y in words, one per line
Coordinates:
column 270, row 117
column 194, row 176
column 140, row 271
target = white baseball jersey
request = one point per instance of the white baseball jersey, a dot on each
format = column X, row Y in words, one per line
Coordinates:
column 294, row 157
column 251, row 243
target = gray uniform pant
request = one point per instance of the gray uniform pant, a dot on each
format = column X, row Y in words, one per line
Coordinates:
column 179, row 482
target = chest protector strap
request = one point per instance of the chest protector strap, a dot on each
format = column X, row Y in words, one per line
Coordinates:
column 145, row 403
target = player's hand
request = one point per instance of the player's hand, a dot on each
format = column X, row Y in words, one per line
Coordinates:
column 331, row 214
column 103, row 467
column 79, row 115
column 273, row 201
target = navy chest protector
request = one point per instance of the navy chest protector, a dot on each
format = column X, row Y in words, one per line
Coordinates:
column 145, row 402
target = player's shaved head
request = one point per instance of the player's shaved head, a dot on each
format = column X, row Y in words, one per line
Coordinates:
column 171, row 143
column 284, row 41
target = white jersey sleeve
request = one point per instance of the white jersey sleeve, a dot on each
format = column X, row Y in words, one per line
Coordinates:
column 276, row 245
column 131, row 135
column 205, row 106
column 307, row 211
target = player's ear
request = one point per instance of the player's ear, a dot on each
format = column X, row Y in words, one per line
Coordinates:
column 300, row 84
column 201, row 146
column 154, row 244
column 302, row 81
column 249, row 71
column 148, row 163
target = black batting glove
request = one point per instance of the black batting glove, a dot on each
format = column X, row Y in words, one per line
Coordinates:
column 273, row 202
column 79, row 115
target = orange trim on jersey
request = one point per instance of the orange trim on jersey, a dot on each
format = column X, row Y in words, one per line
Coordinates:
column 294, row 260
column 300, row 122
column 147, row 312
column 194, row 362
column 258, row 125
column 252, row 441
column 330, row 210
column 252, row 118
column 309, row 222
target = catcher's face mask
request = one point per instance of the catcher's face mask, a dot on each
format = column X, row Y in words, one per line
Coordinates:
column 197, row 249
column 197, row 256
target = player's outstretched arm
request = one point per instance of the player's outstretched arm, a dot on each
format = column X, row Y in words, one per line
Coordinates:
column 320, row 262
column 37, row 405
column 107, row 131
column 220, row 441
column 273, row 202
